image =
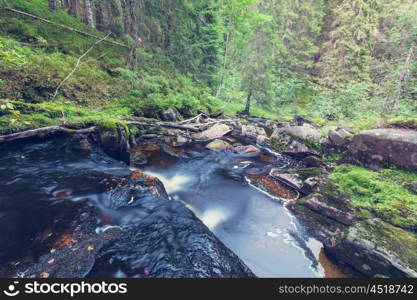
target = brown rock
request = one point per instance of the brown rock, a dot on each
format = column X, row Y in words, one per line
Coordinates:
column 247, row 150
column 219, row 145
column 323, row 209
column 214, row 132
column 383, row 147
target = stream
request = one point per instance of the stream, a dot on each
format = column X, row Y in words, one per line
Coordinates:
column 49, row 187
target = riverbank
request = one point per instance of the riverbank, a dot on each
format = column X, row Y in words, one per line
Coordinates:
column 358, row 214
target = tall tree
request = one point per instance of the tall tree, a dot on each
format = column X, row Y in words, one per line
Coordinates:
column 89, row 17
column 52, row 4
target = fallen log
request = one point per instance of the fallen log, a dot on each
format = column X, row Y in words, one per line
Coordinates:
column 43, row 131
column 161, row 124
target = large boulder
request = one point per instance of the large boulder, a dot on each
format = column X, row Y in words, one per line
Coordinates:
column 305, row 132
column 171, row 115
column 364, row 243
column 339, row 137
column 384, row 147
column 297, row 139
column 372, row 247
column 214, row 132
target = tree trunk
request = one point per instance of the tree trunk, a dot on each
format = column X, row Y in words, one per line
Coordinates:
column 89, row 18
column 403, row 77
column 52, row 4
column 99, row 18
column 248, row 100
column 65, row 4
column 226, row 50
column 73, row 7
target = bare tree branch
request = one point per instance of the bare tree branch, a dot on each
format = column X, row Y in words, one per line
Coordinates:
column 77, row 65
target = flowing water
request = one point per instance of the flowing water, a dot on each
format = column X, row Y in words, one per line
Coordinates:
column 45, row 186
column 256, row 226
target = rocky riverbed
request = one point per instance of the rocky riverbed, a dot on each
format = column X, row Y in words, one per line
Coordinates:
column 238, row 198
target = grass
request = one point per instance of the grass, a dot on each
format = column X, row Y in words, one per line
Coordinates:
column 25, row 116
column 383, row 194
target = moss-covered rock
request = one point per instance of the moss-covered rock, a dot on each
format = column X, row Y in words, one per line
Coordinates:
column 382, row 208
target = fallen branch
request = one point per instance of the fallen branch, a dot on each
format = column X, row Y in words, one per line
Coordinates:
column 60, row 25
column 196, row 118
column 77, row 65
column 43, row 131
column 162, row 124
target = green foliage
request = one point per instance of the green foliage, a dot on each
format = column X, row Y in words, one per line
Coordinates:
column 410, row 123
column 383, row 193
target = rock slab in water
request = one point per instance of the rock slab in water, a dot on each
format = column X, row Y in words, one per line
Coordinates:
column 214, row 132
column 219, row 145
column 383, row 147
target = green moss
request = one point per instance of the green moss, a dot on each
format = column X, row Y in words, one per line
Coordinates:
column 383, row 193
column 399, row 241
column 277, row 144
column 404, row 122
column 315, row 217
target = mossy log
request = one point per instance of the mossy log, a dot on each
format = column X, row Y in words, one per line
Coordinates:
column 44, row 131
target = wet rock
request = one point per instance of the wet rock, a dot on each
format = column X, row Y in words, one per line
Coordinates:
column 339, row 137
column 303, row 180
column 214, row 132
column 257, row 170
column 219, row 145
column 383, row 147
column 138, row 159
column 187, row 248
column 292, row 180
column 250, row 151
column 253, row 131
column 314, row 203
column 313, row 161
column 171, row 115
column 115, row 143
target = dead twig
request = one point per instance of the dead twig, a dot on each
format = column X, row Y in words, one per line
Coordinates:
column 77, row 65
